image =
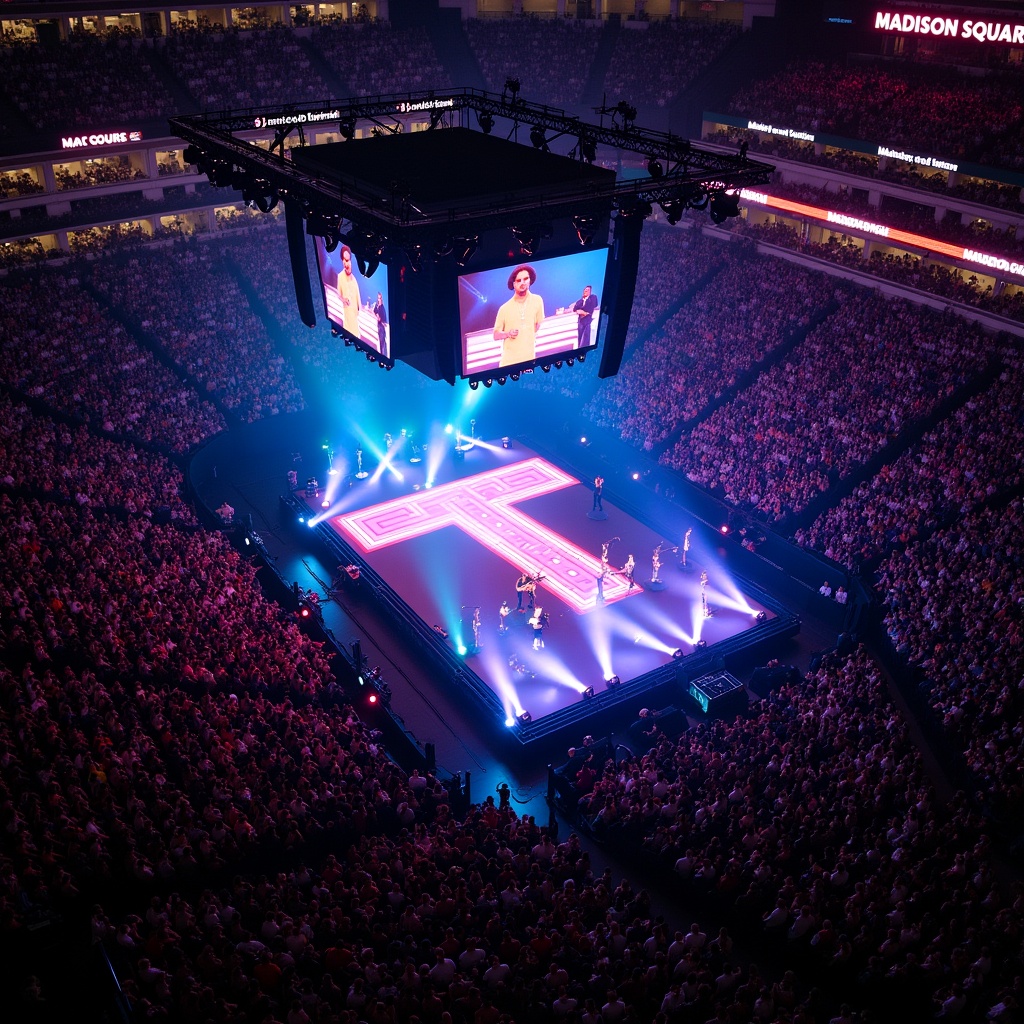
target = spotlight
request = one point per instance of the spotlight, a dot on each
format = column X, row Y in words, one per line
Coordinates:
column 698, row 201
column 570, row 361
column 761, row 616
column 514, row 376
column 724, row 205
column 501, row 381
column 724, row 529
column 473, row 385
column 636, row 476
column 558, row 364
column 546, row 367
column 464, row 249
column 673, row 210
column 488, row 382
column 326, row 503
column 486, row 123
column 677, row 653
column 612, row 682
column 588, row 693
column 525, row 718
column 582, row 357
column 701, row 644
column 506, row 442
column 654, row 168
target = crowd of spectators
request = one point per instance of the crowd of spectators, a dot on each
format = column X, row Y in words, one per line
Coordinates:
column 197, row 312
column 654, row 62
column 64, row 349
column 551, row 59
column 736, row 320
column 374, row 58
column 867, row 372
column 968, row 458
column 19, row 183
column 91, row 81
column 930, row 110
column 813, row 820
column 227, row 69
column 70, row 463
column 953, row 610
column 88, row 174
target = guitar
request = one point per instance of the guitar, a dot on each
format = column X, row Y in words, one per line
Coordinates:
column 539, row 619
column 530, row 585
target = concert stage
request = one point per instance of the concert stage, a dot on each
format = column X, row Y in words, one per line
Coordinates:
column 436, row 553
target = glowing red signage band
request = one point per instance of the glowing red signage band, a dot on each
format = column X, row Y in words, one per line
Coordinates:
column 858, row 224
column 483, row 506
column 951, row 28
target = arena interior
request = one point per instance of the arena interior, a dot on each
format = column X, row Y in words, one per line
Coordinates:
column 285, row 736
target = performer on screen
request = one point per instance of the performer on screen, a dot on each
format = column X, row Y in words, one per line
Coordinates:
column 348, row 292
column 382, row 323
column 518, row 319
column 584, row 309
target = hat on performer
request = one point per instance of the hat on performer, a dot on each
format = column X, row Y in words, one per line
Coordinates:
column 515, row 273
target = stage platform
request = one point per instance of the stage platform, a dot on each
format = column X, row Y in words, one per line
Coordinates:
column 438, row 539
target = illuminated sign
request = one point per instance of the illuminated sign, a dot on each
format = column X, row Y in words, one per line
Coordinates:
column 950, row 28
column 297, row 117
column 99, row 139
column 931, row 245
column 914, row 158
column 436, row 104
column 788, row 133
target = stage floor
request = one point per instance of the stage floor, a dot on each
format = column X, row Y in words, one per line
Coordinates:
column 493, row 514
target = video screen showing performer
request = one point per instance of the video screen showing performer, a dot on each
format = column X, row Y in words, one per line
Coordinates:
column 354, row 302
column 533, row 311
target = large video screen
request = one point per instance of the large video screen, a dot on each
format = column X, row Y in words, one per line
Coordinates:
column 354, row 302
column 531, row 312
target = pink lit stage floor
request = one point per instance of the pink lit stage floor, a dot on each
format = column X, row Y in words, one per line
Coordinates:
column 463, row 543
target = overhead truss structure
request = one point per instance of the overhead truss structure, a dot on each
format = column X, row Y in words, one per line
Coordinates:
column 225, row 145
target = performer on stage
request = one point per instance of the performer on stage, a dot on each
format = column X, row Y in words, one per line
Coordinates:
column 604, row 552
column 539, row 621
column 628, row 569
column 686, row 545
column 503, row 613
column 704, row 594
column 527, row 584
column 656, row 564
column 598, row 487
column 476, row 627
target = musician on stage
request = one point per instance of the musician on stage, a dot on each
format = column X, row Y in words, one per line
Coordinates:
column 686, row 545
column 476, row 627
column 527, row 584
column 539, row 621
column 503, row 613
column 598, row 488
column 628, row 569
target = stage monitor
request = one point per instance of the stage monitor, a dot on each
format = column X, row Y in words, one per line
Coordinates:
column 355, row 302
column 531, row 312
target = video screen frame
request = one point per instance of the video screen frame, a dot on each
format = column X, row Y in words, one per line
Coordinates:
column 494, row 316
column 365, row 319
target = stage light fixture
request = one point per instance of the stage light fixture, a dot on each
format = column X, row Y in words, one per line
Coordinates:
column 701, row 644
column 488, row 382
column 761, row 616
column 192, row 154
column 326, row 503
column 588, row 693
column 266, row 203
column 584, row 227
column 654, row 168
column 348, row 128
column 501, row 381
column 514, row 375
column 588, row 149
column 464, row 249
column 724, row 529
column 538, row 140
column 582, row 357
column 506, row 443
column 473, row 385
column 635, row 475
column 724, row 205
column 677, row 653
column 512, row 88
column 415, row 256
column 570, row 361
column 486, row 122
column 526, row 240
column 558, row 364
column 546, row 367
column 612, row 682
column 525, row 718
column 673, row 210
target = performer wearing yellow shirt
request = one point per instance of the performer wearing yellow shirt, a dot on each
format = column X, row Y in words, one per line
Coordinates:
column 518, row 319
column 348, row 292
